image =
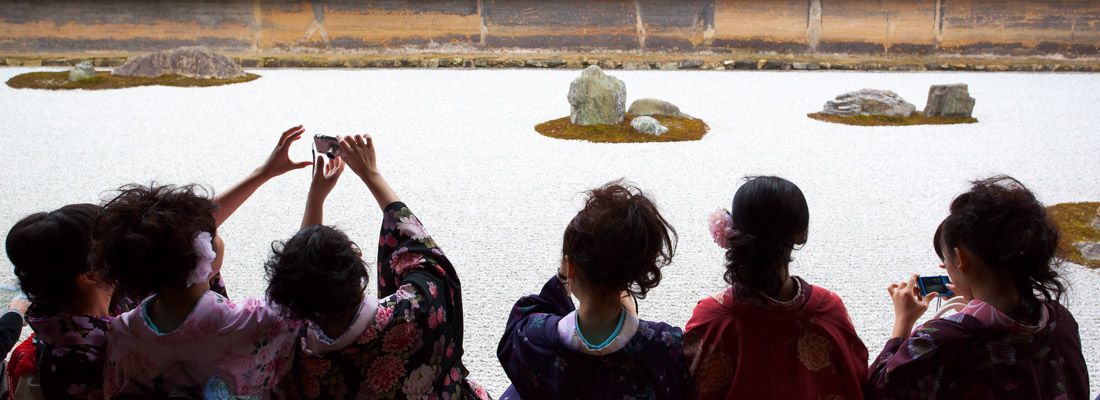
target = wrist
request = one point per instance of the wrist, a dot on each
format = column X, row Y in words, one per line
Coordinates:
column 261, row 174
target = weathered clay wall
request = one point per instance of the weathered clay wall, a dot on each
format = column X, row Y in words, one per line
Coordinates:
column 1011, row 27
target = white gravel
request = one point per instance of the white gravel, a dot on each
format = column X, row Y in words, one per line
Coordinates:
column 460, row 148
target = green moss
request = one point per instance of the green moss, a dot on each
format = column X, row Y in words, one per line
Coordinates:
column 104, row 80
column 679, row 129
column 879, row 120
column 1074, row 222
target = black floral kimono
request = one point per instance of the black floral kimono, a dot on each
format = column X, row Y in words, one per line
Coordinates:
column 405, row 345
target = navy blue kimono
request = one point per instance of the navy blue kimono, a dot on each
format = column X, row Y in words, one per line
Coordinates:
column 545, row 357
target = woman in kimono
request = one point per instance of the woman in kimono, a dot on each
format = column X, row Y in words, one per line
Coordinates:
column 404, row 344
column 612, row 252
column 1012, row 339
column 162, row 242
column 770, row 334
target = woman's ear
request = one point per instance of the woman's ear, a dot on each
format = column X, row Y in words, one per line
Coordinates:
column 569, row 269
column 964, row 260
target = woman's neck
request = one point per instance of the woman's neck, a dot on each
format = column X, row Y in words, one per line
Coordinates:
column 339, row 324
column 598, row 317
column 170, row 309
column 90, row 305
column 1001, row 295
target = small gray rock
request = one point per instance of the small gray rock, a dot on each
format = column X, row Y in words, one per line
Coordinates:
column 648, row 126
column 82, row 71
column 633, row 65
column 668, row 65
column 1096, row 221
column 596, row 98
column 869, row 102
column 949, row 101
column 655, row 107
column 1089, row 250
column 192, row 62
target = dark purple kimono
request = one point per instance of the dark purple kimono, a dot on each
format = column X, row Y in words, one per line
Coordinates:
column 981, row 353
column 649, row 364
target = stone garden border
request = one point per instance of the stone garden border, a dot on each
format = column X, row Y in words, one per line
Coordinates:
column 104, row 80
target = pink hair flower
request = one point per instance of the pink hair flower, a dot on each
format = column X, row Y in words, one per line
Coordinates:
column 204, row 249
column 721, row 227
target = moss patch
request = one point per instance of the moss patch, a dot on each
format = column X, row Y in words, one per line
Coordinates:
column 1074, row 220
column 879, row 120
column 104, row 80
column 679, row 129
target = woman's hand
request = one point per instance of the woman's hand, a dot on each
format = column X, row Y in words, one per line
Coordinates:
column 325, row 176
column 279, row 162
column 908, row 305
column 358, row 152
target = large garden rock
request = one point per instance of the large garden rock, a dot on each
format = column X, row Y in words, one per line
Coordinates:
column 193, row 62
column 869, row 102
column 648, row 126
column 949, row 101
column 596, row 98
column 655, row 107
column 82, row 71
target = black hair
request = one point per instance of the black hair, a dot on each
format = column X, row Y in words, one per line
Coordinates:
column 144, row 239
column 316, row 275
column 772, row 217
column 49, row 251
column 619, row 240
column 1002, row 222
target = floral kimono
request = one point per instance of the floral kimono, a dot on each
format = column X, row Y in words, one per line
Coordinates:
column 545, row 356
column 242, row 348
column 405, row 345
column 745, row 345
column 982, row 353
column 64, row 357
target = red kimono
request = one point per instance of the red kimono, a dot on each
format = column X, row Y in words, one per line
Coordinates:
column 744, row 345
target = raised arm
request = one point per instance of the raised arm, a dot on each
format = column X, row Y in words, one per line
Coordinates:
column 358, row 152
column 325, row 176
column 277, row 163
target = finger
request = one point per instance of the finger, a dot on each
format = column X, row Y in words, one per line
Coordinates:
column 301, row 164
column 318, row 165
column 291, row 137
column 282, row 137
column 928, row 298
column 360, row 140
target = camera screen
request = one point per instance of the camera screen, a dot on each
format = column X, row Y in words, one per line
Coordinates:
column 934, row 284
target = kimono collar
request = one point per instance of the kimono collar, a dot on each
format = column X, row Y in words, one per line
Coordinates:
column 759, row 299
column 317, row 342
column 994, row 318
column 567, row 333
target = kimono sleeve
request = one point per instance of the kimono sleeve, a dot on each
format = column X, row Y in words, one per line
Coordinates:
column 908, row 367
column 528, row 349
column 11, row 324
column 404, row 246
column 705, row 336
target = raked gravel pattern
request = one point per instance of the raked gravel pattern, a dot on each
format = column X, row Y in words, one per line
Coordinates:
column 460, row 148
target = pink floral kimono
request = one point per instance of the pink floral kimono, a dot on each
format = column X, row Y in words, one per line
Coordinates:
column 239, row 347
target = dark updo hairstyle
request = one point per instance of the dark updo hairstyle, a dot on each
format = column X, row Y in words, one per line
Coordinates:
column 1002, row 222
column 145, row 237
column 49, row 251
column 316, row 275
column 619, row 240
column 772, row 217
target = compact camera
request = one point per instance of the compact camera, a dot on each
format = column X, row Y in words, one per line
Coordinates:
column 938, row 284
column 326, row 145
